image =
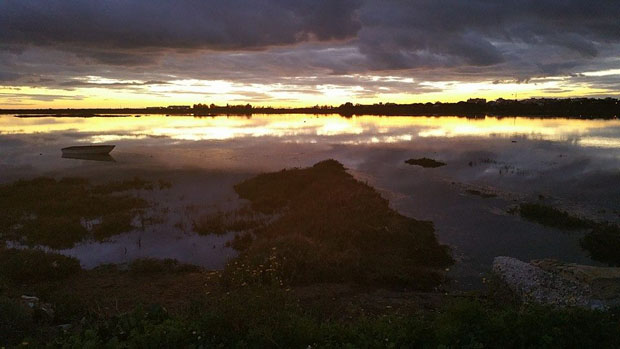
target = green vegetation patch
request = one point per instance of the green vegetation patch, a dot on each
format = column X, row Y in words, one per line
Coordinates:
column 425, row 162
column 329, row 227
column 28, row 265
column 220, row 223
column 603, row 243
column 146, row 266
column 552, row 217
column 602, row 240
column 16, row 322
column 49, row 212
column 484, row 195
column 256, row 318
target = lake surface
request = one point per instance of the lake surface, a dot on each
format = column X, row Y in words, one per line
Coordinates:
column 567, row 163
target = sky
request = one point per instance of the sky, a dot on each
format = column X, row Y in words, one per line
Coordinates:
column 122, row 53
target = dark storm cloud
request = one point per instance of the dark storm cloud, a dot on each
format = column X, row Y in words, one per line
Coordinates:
column 436, row 33
column 253, row 41
column 81, row 83
column 8, row 76
column 182, row 24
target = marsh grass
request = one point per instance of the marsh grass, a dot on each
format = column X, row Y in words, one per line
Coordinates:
column 220, row 223
column 553, row 217
column 603, row 243
column 268, row 318
column 49, row 212
column 75, row 295
column 425, row 162
column 484, row 195
column 164, row 184
column 326, row 226
column 241, row 241
column 29, row 265
column 260, row 315
column 331, row 227
column 145, row 266
column 16, row 322
column 602, row 240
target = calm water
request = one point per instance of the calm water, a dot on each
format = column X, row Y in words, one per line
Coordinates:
column 572, row 164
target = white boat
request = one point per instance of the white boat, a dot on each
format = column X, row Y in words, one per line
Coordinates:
column 88, row 150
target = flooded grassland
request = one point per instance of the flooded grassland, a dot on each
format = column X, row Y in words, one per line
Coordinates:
column 352, row 216
column 572, row 165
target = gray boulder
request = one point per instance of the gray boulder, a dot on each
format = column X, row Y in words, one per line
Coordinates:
column 560, row 284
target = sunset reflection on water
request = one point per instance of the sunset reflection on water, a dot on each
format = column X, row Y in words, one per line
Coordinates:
column 305, row 128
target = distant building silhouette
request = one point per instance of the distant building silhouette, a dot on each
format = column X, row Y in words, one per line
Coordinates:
column 477, row 100
column 179, row 107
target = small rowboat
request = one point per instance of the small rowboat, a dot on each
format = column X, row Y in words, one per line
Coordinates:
column 88, row 150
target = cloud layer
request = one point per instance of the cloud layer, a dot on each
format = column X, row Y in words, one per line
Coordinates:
column 56, row 43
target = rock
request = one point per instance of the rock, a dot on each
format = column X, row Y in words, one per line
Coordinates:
column 604, row 282
column 65, row 327
column 535, row 285
column 47, row 309
column 576, row 272
column 37, row 306
column 31, row 299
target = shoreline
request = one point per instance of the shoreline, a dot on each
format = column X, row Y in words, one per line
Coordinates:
column 580, row 108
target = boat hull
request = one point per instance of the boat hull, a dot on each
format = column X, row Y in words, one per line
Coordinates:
column 88, row 150
column 92, row 157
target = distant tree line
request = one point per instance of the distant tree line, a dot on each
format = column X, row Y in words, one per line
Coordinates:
column 587, row 108
column 542, row 107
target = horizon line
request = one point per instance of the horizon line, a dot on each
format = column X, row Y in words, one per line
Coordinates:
column 477, row 100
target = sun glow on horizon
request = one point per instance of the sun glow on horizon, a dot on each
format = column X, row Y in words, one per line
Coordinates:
column 100, row 92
